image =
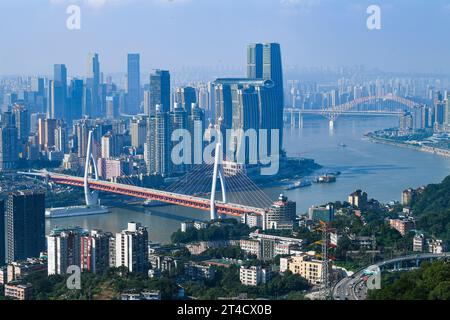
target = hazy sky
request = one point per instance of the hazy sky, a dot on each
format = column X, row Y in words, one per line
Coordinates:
column 176, row 33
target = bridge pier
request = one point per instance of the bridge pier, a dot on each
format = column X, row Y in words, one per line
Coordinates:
column 217, row 173
column 91, row 196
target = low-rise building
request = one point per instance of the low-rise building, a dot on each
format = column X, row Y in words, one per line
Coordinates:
column 19, row 291
column 419, row 242
column 254, row 275
column 402, row 225
column 20, row 269
column 435, row 246
column 306, row 266
column 195, row 271
column 321, row 213
column 252, row 220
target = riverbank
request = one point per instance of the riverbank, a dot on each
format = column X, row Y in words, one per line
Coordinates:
column 428, row 149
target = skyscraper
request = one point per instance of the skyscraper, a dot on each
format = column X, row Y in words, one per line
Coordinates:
column 186, row 96
column 132, row 248
column 273, row 70
column 2, row 232
column 92, row 99
column 159, row 92
column 134, row 85
column 255, row 61
column 138, row 130
column 58, row 92
column 95, row 251
column 25, row 225
column 8, row 142
column 76, row 101
column 264, row 61
column 63, row 246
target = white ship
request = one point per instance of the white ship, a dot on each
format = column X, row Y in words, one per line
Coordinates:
column 76, row 211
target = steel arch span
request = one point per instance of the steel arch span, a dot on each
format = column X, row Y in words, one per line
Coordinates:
column 348, row 106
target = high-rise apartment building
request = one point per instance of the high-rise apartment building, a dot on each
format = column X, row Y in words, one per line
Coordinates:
column 25, row 224
column 138, row 130
column 64, row 249
column 132, row 248
column 95, row 251
column 133, row 85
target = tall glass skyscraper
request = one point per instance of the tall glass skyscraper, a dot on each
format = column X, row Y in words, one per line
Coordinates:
column 159, row 92
column 25, row 224
column 134, row 85
column 255, row 61
column 264, row 61
column 2, row 232
column 76, row 101
column 58, row 92
column 92, row 99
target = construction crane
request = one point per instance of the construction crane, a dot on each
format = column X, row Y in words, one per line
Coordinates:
column 325, row 228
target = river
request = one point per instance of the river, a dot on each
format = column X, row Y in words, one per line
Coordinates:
column 383, row 171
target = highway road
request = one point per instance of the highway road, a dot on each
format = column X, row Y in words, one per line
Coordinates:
column 354, row 287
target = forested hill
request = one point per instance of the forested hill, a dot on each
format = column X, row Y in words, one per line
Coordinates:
column 432, row 208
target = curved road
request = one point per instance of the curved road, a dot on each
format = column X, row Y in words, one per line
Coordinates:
column 354, row 287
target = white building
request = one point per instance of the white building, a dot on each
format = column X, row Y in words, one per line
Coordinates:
column 132, row 248
column 254, row 276
column 63, row 246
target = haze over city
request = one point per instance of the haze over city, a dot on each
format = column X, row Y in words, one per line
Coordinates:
column 173, row 34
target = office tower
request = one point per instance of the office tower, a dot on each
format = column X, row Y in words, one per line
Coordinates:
column 112, row 106
column 281, row 214
column 159, row 92
column 196, row 126
column 63, row 249
column 58, row 92
column 179, row 121
column 255, row 61
column 211, row 110
column 95, row 251
column 186, row 96
column 46, row 132
column 2, row 232
column 22, row 122
column 447, row 115
column 109, row 146
column 81, row 131
column 134, row 85
column 246, row 104
column 8, row 142
column 146, row 102
column 92, row 101
column 273, row 70
column 75, row 111
column 132, row 248
column 138, row 130
column 25, row 224
column 9, row 100
column 37, row 86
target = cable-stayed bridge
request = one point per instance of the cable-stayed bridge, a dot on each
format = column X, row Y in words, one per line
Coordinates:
column 187, row 192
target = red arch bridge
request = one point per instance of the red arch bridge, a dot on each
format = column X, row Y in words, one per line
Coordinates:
column 222, row 208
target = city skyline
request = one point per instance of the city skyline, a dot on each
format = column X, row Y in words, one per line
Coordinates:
column 155, row 33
